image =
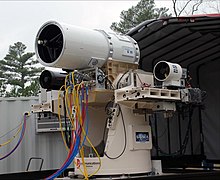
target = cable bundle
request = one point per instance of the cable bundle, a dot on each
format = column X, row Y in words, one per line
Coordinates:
column 22, row 128
column 76, row 104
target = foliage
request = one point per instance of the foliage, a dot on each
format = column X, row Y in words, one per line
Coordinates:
column 2, row 89
column 135, row 15
column 19, row 72
column 2, row 86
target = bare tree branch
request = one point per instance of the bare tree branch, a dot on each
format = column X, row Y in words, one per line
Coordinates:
column 215, row 7
column 190, row 7
column 184, row 7
column 174, row 7
column 196, row 6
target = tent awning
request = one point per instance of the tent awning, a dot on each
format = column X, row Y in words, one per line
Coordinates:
column 189, row 41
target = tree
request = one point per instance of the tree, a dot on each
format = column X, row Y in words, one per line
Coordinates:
column 213, row 5
column 135, row 15
column 19, row 72
column 190, row 7
column 187, row 6
column 2, row 85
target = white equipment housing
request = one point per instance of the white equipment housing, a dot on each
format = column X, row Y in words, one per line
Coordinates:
column 136, row 157
column 127, row 130
column 71, row 47
column 169, row 73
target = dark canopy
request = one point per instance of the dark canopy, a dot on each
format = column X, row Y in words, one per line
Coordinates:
column 194, row 43
column 185, row 40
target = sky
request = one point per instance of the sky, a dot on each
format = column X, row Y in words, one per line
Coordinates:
column 21, row 20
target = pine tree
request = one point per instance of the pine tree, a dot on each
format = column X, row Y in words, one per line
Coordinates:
column 19, row 72
column 2, row 85
column 135, row 15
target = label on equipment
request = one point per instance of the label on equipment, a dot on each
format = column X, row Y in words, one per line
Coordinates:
column 175, row 69
column 96, row 62
column 127, row 51
column 142, row 137
column 89, row 164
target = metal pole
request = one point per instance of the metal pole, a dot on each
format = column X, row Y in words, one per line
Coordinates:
column 168, row 135
column 156, row 133
column 180, row 132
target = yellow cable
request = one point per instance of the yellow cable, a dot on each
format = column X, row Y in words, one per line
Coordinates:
column 82, row 150
column 76, row 106
column 13, row 137
column 75, row 98
column 66, row 80
column 70, row 109
column 59, row 118
column 77, row 109
column 85, row 173
column 68, row 102
column 73, row 82
column 60, row 124
column 89, row 141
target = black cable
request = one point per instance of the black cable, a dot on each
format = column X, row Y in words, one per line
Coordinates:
column 109, row 104
column 106, row 78
column 117, row 85
column 125, row 137
column 182, row 149
column 66, row 133
column 111, row 85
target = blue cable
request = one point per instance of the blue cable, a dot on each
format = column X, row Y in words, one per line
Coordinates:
column 19, row 141
column 76, row 148
column 87, row 119
column 72, row 156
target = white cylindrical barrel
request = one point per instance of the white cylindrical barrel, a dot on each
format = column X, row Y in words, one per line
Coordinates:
column 71, row 47
column 166, row 71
